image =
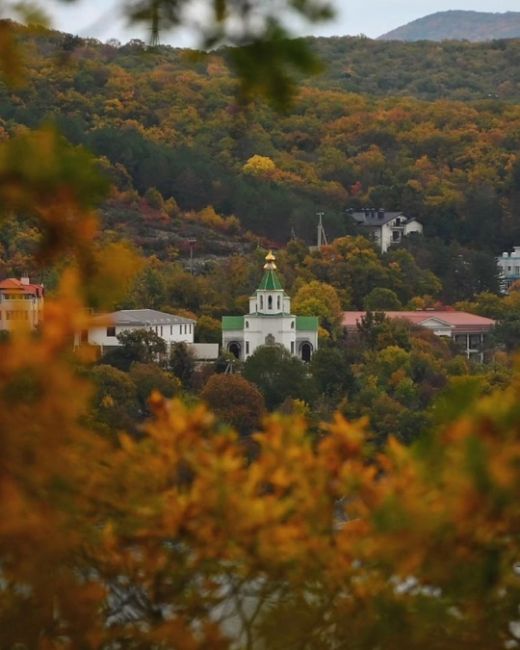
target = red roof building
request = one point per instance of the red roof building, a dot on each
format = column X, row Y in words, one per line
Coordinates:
column 467, row 330
column 21, row 303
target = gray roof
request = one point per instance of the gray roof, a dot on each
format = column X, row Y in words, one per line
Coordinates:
column 145, row 318
column 373, row 218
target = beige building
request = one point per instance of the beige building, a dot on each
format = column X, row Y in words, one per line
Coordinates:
column 21, row 303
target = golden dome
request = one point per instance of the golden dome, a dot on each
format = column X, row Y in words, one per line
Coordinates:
column 270, row 257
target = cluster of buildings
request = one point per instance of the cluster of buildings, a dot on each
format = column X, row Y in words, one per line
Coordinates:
column 269, row 322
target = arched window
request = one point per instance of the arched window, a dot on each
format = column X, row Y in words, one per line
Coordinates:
column 261, row 302
column 270, row 302
column 278, row 304
column 247, row 323
column 292, row 324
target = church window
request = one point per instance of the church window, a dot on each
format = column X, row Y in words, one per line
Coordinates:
column 247, row 323
column 278, row 302
column 292, row 347
column 247, row 347
column 261, row 302
column 270, row 302
column 292, row 324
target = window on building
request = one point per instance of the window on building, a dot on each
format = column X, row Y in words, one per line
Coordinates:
column 278, row 303
column 474, row 341
column 247, row 347
column 292, row 324
column 270, row 302
column 171, row 329
column 247, row 323
column 261, row 302
column 161, row 330
column 292, row 347
column 111, row 331
column 396, row 235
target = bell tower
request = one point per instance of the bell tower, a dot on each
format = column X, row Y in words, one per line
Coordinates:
column 270, row 298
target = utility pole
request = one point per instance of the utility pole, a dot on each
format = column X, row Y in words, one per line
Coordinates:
column 322, row 237
column 154, row 32
column 191, row 244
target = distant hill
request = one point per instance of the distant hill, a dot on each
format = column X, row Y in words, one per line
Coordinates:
column 458, row 25
column 425, row 69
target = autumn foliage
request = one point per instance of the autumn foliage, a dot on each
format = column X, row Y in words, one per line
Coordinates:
column 174, row 538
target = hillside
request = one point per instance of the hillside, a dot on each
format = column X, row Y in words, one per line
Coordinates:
column 427, row 70
column 459, row 25
column 162, row 119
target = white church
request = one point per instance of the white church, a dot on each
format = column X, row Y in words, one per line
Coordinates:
column 270, row 322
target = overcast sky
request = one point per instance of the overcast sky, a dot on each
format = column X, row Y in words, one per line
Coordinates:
column 100, row 18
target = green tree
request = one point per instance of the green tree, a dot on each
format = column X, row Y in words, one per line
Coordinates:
column 208, row 330
column 380, row 299
column 331, row 370
column 279, row 376
column 142, row 346
column 182, row 363
column 147, row 378
column 115, row 402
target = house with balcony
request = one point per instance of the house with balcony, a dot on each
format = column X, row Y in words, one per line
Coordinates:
column 468, row 331
column 385, row 228
column 21, row 303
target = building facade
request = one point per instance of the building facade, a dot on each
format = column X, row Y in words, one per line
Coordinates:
column 509, row 268
column 468, row 331
column 21, row 304
column 171, row 328
column 270, row 322
column 385, row 228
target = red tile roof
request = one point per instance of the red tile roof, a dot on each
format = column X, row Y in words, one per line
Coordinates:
column 459, row 321
column 13, row 284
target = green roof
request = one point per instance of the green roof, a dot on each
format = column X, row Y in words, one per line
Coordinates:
column 270, row 282
column 307, row 323
column 232, row 323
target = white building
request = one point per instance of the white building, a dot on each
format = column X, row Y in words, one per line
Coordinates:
column 270, row 322
column 385, row 228
column 21, row 303
column 171, row 328
column 509, row 268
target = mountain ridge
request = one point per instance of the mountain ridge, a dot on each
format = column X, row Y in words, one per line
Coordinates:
column 457, row 24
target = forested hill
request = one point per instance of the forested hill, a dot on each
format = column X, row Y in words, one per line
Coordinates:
column 427, row 70
column 459, row 25
column 162, row 119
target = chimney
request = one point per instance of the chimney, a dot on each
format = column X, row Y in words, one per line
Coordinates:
column 25, row 280
column 381, row 213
